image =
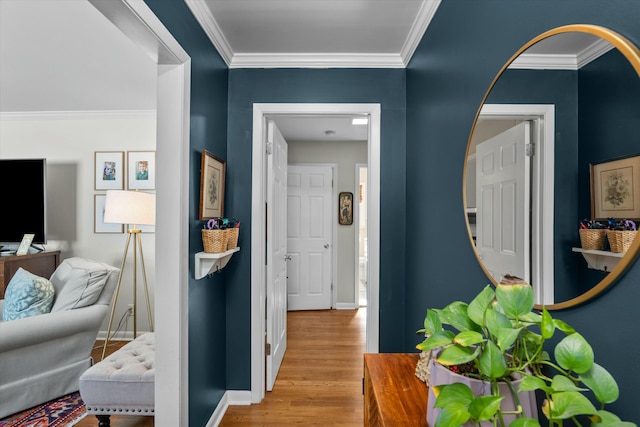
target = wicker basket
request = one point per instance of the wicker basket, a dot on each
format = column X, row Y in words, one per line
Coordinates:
column 620, row 240
column 232, row 237
column 592, row 239
column 214, row 241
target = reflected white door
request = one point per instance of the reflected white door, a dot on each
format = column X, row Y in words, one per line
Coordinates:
column 276, row 295
column 503, row 201
column 309, row 237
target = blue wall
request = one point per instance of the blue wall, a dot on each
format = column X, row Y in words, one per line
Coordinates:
column 246, row 87
column 208, row 127
column 464, row 47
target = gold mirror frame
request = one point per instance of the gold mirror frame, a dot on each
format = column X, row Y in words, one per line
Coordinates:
column 632, row 54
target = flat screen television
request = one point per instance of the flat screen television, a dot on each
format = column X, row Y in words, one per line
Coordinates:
column 24, row 207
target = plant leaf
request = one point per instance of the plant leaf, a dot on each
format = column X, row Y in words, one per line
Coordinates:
column 568, row 404
column 455, row 314
column 506, row 337
column 530, row 383
column 574, row 353
column 432, row 323
column 439, row 339
column 483, row 408
column 468, row 338
column 456, row 355
column 602, row 383
column 516, row 300
column 491, row 362
column 524, row 422
column 547, row 327
column 607, row 419
column 451, row 417
column 479, row 305
column 564, row 327
column 495, row 320
column 454, row 395
column 561, row 383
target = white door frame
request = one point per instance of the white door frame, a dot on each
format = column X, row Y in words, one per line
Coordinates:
column 542, row 189
column 356, row 223
column 138, row 22
column 334, row 229
column 258, row 197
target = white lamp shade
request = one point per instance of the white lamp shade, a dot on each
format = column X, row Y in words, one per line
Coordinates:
column 130, row 207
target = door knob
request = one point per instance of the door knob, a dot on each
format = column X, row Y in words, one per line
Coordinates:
column 326, row 246
column 287, row 257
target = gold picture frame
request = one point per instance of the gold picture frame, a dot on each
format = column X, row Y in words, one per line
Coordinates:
column 109, row 170
column 615, row 189
column 345, row 208
column 212, row 182
column 141, row 170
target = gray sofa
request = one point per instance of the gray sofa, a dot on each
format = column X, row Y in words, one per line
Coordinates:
column 43, row 356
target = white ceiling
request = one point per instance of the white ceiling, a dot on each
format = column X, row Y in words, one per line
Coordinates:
column 63, row 55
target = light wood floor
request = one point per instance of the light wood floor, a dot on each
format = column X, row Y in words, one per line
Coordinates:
column 320, row 381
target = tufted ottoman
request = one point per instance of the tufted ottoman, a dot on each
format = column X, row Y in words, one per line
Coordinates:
column 122, row 383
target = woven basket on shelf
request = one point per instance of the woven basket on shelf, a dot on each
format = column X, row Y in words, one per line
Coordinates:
column 232, row 237
column 620, row 240
column 592, row 239
column 214, row 241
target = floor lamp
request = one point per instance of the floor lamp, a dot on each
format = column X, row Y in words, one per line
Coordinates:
column 131, row 208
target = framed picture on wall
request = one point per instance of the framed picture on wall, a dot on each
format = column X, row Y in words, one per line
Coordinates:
column 345, row 208
column 109, row 170
column 141, row 170
column 615, row 189
column 212, row 180
column 99, row 226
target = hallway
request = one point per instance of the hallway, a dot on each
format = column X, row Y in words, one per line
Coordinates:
column 320, row 381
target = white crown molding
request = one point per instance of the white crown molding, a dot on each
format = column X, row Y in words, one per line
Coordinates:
column 314, row 60
column 203, row 15
column 95, row 114
column 423, row 19
column 561, row 62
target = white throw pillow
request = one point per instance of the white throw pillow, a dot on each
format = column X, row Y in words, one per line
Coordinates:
column 81, row 282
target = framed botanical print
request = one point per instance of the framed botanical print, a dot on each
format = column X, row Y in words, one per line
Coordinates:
column 345, row 208
column 212, row 180
column 109, row 170
column 141, row 170
column 615, row 189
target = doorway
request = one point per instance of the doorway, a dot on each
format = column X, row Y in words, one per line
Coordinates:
column 258, row 276
column 362, row 250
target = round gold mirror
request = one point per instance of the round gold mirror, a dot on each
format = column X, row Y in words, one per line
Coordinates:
column 566, row 104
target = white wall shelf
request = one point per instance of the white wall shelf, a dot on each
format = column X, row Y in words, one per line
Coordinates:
column 209, row 263
column 600, row 260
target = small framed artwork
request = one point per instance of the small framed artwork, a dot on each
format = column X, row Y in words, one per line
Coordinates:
column 99, row 226
column 109, row 170
column 212, row 177
column 141, row 170
column 25, row 244
column 345, row 208
column 615, row 189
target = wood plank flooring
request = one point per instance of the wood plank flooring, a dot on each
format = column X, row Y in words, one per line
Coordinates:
column 320, row 381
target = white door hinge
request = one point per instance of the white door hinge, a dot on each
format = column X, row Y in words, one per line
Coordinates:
column 269, row 148
column 530, row 150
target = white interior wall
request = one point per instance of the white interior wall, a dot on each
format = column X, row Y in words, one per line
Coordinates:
column 68, row 141
column 345, row 155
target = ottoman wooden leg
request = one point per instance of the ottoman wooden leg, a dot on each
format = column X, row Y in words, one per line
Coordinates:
column 103, row 420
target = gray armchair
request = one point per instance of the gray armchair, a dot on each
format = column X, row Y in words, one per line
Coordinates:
column 43, row 356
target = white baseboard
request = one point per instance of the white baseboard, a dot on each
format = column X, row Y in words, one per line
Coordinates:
column 346, row 306
column 230, row 397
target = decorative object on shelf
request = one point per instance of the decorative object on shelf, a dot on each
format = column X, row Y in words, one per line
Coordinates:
column 220, row 234
column 109, row 170
column 99, row 226
column 25, row 244
column 423, row 367
column 498, row 337
column 621, row 235
column 130, row 207
column 141, row 170
column 212, row 181
column 592, row 235
column 345, row 208
column 615, row 188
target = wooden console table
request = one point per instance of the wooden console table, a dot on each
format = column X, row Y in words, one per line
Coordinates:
column 393, row 395
column 41, row 264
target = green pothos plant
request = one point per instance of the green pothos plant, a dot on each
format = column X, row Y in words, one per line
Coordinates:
column 498, row 336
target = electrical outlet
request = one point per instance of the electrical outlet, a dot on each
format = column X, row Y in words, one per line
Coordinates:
column 130, row 310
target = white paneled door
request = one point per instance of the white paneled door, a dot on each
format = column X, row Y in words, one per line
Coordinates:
column 503, row 194
column 276, row 295
column 309, row 236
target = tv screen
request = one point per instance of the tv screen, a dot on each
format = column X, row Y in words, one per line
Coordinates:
column 24, row 210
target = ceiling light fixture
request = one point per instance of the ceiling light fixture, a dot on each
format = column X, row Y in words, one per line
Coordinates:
column 360, row 121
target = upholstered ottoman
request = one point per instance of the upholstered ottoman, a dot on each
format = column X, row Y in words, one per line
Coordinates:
column 122, row 383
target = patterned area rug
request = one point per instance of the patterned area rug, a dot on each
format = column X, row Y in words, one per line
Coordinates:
column 64, row 411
